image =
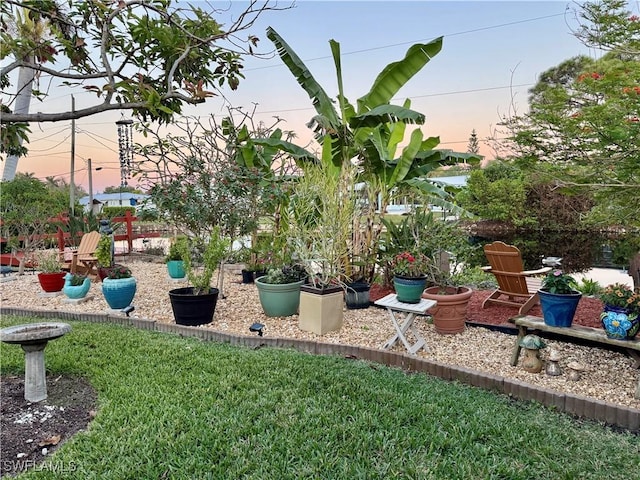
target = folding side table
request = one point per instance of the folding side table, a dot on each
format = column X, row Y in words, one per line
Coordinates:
column 410, row 310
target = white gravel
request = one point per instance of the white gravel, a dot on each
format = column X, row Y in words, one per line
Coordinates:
column 610, row 376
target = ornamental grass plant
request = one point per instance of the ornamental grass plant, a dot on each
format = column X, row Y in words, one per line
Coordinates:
column 194, row 409
column 48, row 261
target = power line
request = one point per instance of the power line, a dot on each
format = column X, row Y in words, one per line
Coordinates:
column 99, row 136
column 441, row 94
column 56, row 145
column 48, row 136
column 465, row 32
column 98, row 141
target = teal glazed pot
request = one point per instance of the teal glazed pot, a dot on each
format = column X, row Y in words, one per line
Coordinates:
column 279, row 300
column 176, row 269
column 75, row 291
column 119, row 292
column 409, row 289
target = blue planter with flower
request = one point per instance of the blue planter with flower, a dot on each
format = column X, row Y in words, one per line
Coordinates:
column 621, row 313
column 620, row 323
column 558, row 309
column 119, row 287
column 559, row 299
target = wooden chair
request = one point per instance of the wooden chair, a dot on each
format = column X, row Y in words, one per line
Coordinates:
column 83, row 260
column 516, row 287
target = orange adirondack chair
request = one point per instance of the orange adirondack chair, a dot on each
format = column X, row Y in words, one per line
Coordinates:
column 83, row 260
column 516, row 287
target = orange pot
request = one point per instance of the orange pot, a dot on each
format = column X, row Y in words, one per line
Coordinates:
column 450, row 312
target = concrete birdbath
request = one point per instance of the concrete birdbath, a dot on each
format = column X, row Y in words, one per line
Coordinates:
column 33, row 338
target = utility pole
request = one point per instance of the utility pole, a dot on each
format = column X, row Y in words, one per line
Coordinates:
column 90, row 186
column 72, row 186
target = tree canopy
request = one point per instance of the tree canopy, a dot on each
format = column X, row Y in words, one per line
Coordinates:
column 149, row 56
column 583, row 119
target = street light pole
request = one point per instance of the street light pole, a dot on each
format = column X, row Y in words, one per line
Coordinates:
column 91, row 183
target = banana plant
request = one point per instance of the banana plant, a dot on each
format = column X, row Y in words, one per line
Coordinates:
column 370, row 134
column 371, row 131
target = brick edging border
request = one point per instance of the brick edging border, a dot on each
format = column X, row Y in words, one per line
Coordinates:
column 576, row 405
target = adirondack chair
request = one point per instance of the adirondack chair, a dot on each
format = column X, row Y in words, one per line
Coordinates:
column 517, row 287
column 83, row 260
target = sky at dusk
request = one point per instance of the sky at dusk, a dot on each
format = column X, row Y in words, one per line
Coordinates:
column 493, row 52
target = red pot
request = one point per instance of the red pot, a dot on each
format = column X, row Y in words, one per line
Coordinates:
column 51, row 282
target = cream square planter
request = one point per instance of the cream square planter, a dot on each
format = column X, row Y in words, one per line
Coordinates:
column 320, row 313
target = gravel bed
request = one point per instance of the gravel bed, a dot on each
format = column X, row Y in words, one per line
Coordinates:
column 609, row 376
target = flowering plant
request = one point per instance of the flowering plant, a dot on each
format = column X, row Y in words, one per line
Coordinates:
column 407, row 264
column 119, row 271
column 621, row 295
column 559, row 283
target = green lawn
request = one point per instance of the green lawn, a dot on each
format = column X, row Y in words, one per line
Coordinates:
column 172, row 407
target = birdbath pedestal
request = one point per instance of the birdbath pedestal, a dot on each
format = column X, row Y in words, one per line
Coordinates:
column 33, row 338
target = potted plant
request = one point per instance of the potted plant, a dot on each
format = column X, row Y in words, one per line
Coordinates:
column 322, row 209
column 175, row 264
column 76, row 286
column 620, row 316
column 441, row 250
column 247, row 257
column 195, row 305
column 119, row 287
column 104, row 255
column 559, row 298
column 50, row 276
column 279, row 290
column 409, row 275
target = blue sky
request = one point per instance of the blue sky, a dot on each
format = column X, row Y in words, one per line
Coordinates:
column 493, row 52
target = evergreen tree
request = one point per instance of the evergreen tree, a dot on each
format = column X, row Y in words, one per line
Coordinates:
column 474, row 145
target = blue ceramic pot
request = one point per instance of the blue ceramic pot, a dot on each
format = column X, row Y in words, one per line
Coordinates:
column 620, row 323
column 176, row 269
column 409, row 289
column 119, row 292
column 75, row 291
column 559, row 309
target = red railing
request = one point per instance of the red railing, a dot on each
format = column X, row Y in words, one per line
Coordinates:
column 129, row 236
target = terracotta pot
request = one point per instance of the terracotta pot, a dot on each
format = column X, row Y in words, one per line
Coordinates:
column 450, row 312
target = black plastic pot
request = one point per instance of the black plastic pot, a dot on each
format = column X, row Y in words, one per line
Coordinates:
column 247, row 276
column 357, row 295
column 190, row 309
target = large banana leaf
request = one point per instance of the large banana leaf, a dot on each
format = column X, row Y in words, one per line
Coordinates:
column 319, row 97
column 298, row 153
column 397, row 74
column 386, row 114
column 407, row 158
